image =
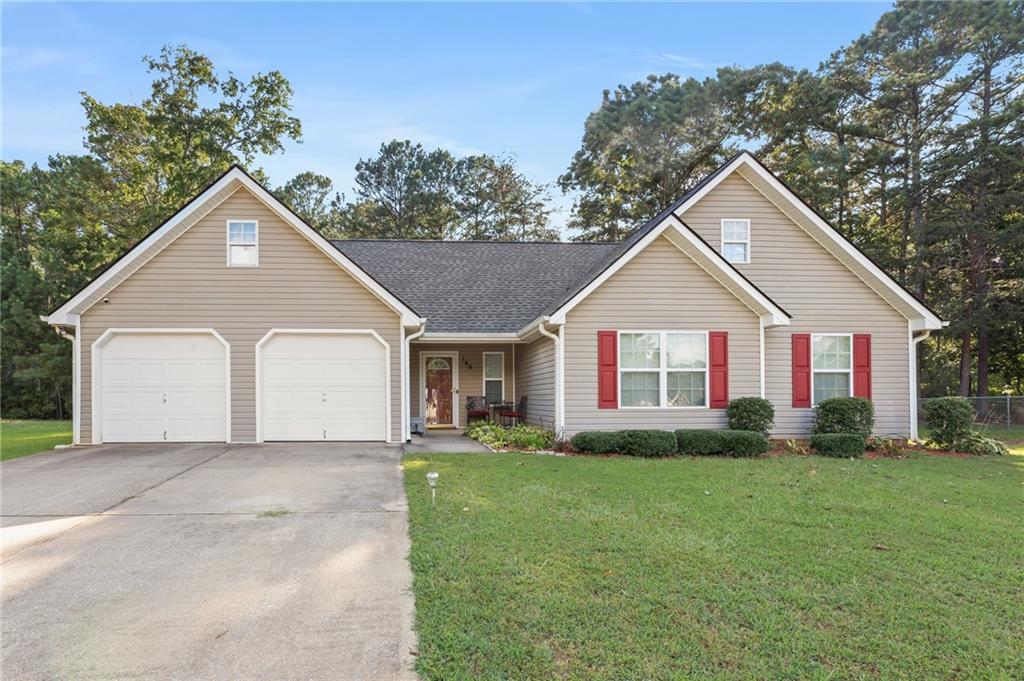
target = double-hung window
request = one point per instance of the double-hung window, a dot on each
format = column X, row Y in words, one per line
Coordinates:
column 243, row 245
column 494, row 377
column 832, row 366
column 736, row 240
column 663, row 369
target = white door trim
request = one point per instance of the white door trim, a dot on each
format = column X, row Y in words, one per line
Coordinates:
column 333, row 332
column 456, row 407
column 96, row 353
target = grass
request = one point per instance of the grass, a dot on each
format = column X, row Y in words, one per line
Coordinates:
column 540, row 567
column 21, row 438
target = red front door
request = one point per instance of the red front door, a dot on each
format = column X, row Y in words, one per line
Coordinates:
column 439, row 391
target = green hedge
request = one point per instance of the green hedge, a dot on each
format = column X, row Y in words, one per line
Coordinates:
column 728, row 442
column 844, row 415
column 839, row 445
column 949, row 419
column 646, row 442
column 596, row 442
column 751, row 413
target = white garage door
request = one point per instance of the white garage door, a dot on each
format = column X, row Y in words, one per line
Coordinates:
column 157, row 387
column 323, row 386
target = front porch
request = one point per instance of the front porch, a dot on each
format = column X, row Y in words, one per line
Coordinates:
column 442, row 375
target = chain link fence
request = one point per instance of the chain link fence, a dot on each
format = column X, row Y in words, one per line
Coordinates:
column 996, row 410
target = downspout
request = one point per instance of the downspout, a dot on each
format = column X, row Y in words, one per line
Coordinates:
column 914, row 340
column 406, row 374
column 761, row 351
column 75, row 382
column 559, row 401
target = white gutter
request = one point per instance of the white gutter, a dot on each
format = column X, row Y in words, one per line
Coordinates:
column 914, row 340
column 407, row 382
column 760, row 339
column 559, row 373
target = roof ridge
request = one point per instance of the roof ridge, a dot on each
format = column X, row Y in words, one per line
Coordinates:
column 480, row 241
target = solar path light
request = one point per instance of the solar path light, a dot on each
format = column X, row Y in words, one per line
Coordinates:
column 432, row 481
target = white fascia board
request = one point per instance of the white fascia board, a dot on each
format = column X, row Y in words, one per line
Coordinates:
column 60, row 316
column 711, row 262
column 928, row 319
column 469, row 337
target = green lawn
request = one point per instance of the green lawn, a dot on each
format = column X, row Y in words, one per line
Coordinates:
column 537, row 567
column 19, row 438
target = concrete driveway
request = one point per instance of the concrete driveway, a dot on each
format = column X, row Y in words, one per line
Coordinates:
column 206, row 562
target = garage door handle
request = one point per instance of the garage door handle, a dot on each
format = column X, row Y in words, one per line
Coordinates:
column 165, row 398
column 323, row 397
column 165, row 434
column 325, row 433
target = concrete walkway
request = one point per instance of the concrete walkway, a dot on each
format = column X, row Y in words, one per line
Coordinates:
column 206, row 562
column 443, row 441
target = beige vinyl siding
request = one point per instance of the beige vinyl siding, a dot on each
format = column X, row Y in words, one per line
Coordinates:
column 189, row 285
column 535, row 378
column 661, row 289
column 821, row 294
column 471, row 371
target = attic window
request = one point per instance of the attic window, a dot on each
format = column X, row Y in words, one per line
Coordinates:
column 736, row 240
column 243, row 244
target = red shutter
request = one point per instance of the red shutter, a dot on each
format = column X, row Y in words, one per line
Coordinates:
column 718, row 358
column 801, row 369
column 607, row 370
column 862, row 365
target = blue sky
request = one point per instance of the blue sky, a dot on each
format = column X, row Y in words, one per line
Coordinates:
column 516, row 79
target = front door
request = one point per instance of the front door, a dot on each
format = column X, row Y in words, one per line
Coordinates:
column 440, row 390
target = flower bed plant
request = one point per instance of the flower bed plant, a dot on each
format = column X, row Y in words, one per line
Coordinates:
column 519, row 437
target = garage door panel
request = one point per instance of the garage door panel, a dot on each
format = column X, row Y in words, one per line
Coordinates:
column 323, row 386
column 157, row 387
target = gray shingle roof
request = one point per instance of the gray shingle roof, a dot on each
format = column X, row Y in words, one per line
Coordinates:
column 477, row 286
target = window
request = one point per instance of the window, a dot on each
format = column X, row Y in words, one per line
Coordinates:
column 663, row 369
column 243, row 248
column 832, row 366
column 736, row 240
column 494, row 377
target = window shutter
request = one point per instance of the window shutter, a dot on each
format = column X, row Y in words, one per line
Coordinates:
column 801, row 370
column 862, row 365
column 607, row 370
column 718, row 358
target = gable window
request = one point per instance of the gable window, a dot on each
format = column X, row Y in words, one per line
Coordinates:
column 832, row 366
column 736, row 240
column 243, row 245
column 663, row 369
column 494, row 377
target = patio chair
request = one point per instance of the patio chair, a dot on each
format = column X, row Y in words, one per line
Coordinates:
column 476, row 408
column 515, row 414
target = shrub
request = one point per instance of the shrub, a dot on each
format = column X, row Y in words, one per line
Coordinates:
column 838, row 444
column 851, row 415
column 979, row 445
column 595, row 442
column 796, row 447
column 949, row 419
column 646, row 443
column 731, row 442
column 751, row 413
column 700, row 441
column 517, row 437
column 745, row 442
column 886, row 447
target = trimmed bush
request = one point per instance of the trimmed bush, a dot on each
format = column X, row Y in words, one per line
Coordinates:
column 646, row 443
column 751, row 413
column 696, row 442
column 745, row 443
column 839, row 445
column 595, row 442
column 730, row 442
column 849, row 415
column 522, row 436
column 949, row 419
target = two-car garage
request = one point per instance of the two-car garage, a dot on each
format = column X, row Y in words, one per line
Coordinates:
column 175, row 385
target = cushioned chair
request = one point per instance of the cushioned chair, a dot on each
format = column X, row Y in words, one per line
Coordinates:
column 476, row 408
column 514, row 415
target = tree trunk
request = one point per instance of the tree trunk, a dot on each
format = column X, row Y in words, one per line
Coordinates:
column 982, row 387
column 965, row 364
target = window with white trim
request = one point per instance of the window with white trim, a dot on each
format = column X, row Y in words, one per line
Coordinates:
column 494, row 377
column 736, row 240
column 831, row 366
column 243, row 244
column 663, row 369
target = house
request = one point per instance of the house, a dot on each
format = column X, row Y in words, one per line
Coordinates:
column 235, row 321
